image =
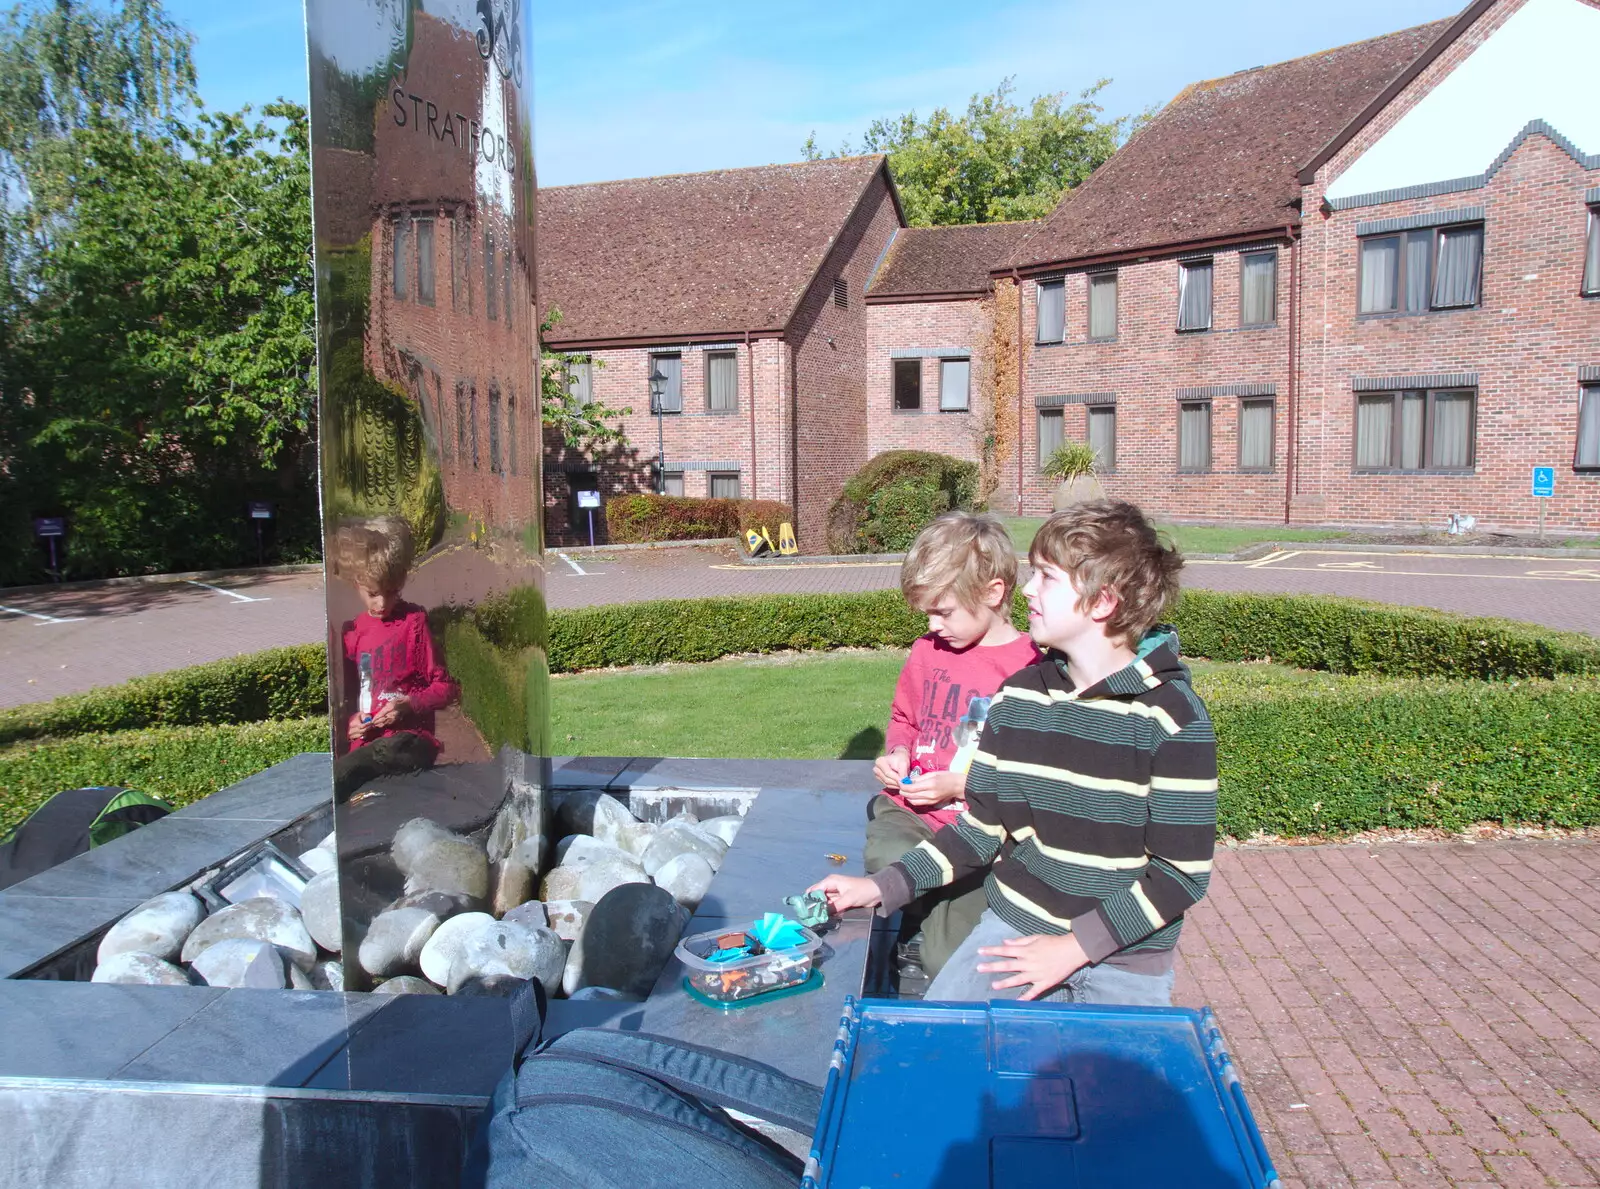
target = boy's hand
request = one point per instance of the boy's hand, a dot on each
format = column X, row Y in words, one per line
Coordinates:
column 358, row 729
column 1040, row 963
column 392, row 712
column 848, row 891
column 935, row 788
column 892, row 766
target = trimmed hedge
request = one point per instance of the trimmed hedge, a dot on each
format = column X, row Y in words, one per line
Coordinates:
column 181, row 764
column 894, row 496
column 635, row 519
column 280, row 683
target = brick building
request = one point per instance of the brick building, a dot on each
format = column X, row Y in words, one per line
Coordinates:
column 1359, row 287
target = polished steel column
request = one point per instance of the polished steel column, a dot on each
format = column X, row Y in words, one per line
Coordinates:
column 423, row 192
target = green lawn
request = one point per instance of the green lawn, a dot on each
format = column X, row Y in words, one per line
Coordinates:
column 1191, row 538
column 808, row 706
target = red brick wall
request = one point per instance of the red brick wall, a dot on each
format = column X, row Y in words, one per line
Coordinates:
column 927, row 324
column 1145, row 366
column 829, row 346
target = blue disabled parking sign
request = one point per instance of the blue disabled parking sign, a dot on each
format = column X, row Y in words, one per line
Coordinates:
column 1544, row 481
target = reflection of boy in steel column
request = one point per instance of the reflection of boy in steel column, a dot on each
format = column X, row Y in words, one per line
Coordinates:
column 390, row 667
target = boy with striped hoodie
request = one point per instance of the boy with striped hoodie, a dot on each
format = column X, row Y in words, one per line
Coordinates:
column 1092, row 798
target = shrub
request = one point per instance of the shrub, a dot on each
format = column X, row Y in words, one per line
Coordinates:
column 863, row 518
column 633, row 519
column 280, row 683
column 180, row 764
column 1070, row 460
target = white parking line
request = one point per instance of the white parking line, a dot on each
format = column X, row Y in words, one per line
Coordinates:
column 232, row 594
column 1275, row 555
column 39, row 617
column 572, row 563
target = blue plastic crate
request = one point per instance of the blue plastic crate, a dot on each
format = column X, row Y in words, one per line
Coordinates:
column 1033, row 1096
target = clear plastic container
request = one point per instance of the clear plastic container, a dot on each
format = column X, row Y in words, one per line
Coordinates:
column 745, row 978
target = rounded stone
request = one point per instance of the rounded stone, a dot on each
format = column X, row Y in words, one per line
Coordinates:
column 299, row 980
column 600, row 877
column 395, row 939
column 320, row 913
column 241, row 962
column 687, row 877
column 445, row 945
column 560, row 883
column 506, row 948
column 318, row 859
column 406, row 984
column 433, row 859
column 725, row 828
column 567, row 917
column 670, row 842
column 259, row 919
column 328, row 976
column 530, row 914
column 579, row 850
column 139, row 969
column 443, row 905
column 586, row 811
column 513, row 885
column 158, row 927
column 629, row 937
column 494, row 986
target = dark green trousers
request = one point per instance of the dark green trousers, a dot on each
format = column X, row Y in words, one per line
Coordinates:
column 948, row 914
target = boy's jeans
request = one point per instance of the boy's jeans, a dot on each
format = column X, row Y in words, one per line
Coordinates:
column 960, row 980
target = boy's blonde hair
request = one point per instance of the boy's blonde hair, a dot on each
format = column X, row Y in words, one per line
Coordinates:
column 959, row 554
column 1109, row 545
column 374, row 552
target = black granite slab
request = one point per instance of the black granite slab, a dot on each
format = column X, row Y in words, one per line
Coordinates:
column 35, row 929
column 88, row 1030
column 283, row 793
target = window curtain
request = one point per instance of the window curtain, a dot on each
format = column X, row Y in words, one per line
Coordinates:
column 1419, row 255
column 670, row 366
column 1260, row 283
column 1455, row 281
column 1255, row 435
column 1413, row 409
column 1103, row 306
column 722, row 382
column 1591, row 263
column 672, row 483
column 954, row 377
column 1452, row 429
column 1380, row 261
column 1194, row 296
column 1103, row 436
column 1374, row 430
column 1052, row 311
column 1194, row 437
column 724, row 487
column 1589, row 428
column 1049, row 434
column 580, row 381
column 425, row 261
column 402, row 285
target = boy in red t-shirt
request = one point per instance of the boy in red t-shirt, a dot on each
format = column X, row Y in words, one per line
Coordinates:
column 390, row 667
column 960, row 572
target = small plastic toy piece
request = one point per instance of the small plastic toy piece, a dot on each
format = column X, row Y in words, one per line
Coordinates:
column 775, row 954
column 809, row 908
column 911, row 775
column 833, row 858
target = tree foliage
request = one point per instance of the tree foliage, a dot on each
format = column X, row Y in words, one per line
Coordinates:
column 995, row 162
column 585, row 427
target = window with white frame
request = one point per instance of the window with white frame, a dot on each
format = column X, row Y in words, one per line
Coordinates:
column 1435, row 268
column 1588, row 455
column 955, row 376
column 1051, row 315
column 425, row 285
column 1102, row 306
column 1255, row 433
column 1258, row 288
column 1591, row 257
column 666, row 384
column 1194, row 435
column 1194, row 295
column 1415, row 430
column 1050, row 434
column 1103, row 436
column 722, row 381
column 724, row 485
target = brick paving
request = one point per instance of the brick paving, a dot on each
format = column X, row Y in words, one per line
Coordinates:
column 1410, row 1014
column 124, row 631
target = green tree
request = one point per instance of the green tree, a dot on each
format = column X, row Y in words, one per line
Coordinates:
column 583, row 427
column 998, row 161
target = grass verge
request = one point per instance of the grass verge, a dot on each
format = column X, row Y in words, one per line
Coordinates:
column 1195, row 538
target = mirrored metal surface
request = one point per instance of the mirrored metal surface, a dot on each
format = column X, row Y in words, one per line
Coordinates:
column 423, row 194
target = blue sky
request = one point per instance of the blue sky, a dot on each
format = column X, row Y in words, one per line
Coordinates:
column 628, row 89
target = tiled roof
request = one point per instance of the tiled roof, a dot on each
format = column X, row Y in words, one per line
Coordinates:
column 1222, row 157
column 692, row 254
column 926, row 260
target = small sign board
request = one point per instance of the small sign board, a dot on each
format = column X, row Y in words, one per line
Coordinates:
column 260, row 510
column 50, row 526
column 588, row 499
column 1544, row 481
